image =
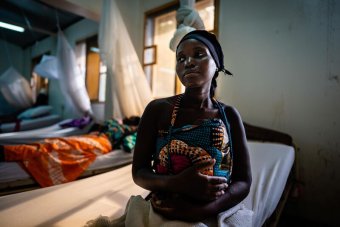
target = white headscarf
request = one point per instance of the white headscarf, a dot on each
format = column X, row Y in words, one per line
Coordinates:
column 188, row 20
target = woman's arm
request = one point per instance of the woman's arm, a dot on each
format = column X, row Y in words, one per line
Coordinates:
column 145, row 147
column 241, row 175
column 234, row 194
column 206, row 188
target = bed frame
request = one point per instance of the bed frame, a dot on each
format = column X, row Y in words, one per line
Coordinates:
column 267, row 135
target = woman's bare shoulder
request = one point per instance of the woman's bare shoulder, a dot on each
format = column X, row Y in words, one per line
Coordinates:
column 159, row 111
column 232, row 113
column 229, row 109
column 161, row 104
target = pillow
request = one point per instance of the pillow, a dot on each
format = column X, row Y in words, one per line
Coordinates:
column 35, row 112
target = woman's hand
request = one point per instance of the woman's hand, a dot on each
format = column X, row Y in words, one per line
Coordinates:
column 199, row 186
column 176, row 207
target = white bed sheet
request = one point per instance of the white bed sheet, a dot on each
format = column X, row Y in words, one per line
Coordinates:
column 70, row 204
column 28, row 124
column 270, row 164
column 30, row 136
column 74, row 203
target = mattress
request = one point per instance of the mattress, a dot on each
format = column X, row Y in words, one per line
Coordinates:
column 74, row 203
column 270, row 164
column 28, row 124
column 53, row 130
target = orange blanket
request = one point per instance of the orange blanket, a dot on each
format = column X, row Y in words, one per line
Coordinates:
column 59, row 160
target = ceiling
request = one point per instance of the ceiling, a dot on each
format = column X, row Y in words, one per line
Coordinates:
column 37, row 17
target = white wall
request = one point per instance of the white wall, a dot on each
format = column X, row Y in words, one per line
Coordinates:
column 285, row 56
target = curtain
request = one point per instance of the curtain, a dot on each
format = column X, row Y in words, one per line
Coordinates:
column 72, row 84
column 16, row 89
column 127, row 91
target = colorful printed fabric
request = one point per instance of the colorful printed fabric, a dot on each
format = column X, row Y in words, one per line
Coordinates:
column 117, row 133
column 179, row 148
column 59, row 160
column 129, row 142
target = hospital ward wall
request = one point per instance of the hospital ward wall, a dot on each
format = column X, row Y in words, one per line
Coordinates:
column 21, row 60
column 10, row 55
column 76, row 32
column 285, row 58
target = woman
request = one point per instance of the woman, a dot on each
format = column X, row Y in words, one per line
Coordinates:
column 191, row 150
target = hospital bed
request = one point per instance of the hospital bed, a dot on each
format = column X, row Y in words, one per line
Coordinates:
column 29, row 124
column 74, row 203
column 31, row 118
column 54, row 130
column 13, row 178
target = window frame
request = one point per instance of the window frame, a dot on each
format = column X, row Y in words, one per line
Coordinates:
column 88, row 41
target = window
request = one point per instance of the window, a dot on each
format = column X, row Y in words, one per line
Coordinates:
column 159, row 61
column 91, row 68
column 39, row 84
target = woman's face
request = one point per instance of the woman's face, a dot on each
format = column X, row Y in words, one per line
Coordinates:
column 195, row 66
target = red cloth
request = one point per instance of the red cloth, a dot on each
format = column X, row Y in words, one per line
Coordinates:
column 59, row 160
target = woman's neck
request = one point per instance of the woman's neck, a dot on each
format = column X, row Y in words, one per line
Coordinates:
column 196, row 99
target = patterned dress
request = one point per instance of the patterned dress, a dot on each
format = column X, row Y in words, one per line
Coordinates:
column 179, row 148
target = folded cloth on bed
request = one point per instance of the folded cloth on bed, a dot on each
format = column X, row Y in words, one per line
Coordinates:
column 59, row 160
column 139, row 212
column 79, row 123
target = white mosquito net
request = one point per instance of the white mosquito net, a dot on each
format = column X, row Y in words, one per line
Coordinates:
column 47, row 67
column 16, row 89
column 128, row 91
column 72, row 83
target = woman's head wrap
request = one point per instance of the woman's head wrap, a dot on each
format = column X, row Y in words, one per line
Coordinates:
column 210, row 41
column 188, row 20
